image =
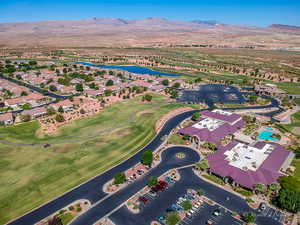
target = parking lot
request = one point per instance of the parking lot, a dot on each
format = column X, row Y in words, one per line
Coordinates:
column 212, row 93
column 200, row 213
column 271, row 213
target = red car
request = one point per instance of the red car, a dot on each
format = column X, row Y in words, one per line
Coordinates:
column 143, row 199
column 161, row 186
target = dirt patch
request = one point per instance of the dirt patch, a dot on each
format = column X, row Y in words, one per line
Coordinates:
column 123, row 132
column 296, row 130
column 63, row 148
column 148, row 114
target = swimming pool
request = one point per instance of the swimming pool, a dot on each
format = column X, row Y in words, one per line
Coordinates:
column 267, row 135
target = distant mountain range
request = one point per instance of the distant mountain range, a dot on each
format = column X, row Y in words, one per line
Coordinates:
column 149, row 32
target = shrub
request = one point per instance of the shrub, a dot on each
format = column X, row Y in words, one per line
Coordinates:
column 119, row 178
column 25, row 118
column 59, row 118
column 186, row 205
column 152, row 181
column 249, row 217
column 200, row 192
column 147, row 158
column 172, row 218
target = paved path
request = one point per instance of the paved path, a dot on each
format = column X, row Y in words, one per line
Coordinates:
column 92, row 189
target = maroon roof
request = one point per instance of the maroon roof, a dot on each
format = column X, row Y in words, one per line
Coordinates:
column 216, row 135
column 266, row 174
column 227, row 118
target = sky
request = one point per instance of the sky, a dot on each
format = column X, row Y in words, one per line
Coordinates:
column 246, row 12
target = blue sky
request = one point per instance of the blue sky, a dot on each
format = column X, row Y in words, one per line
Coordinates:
column 250, row 12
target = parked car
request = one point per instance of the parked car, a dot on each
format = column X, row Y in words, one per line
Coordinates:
column 152, row 193
column 143, row 199
column 217, row 212
column 262, row 206
column 209, row 222
column 170, row 210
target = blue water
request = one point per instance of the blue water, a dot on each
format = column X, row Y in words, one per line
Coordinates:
column 267, row 135
column 131, row 69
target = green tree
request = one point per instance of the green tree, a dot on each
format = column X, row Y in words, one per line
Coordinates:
column 32, row 63
column 249, row 217
column 119, row 178
column 186, row 205
column 165, row 82
column 253, row 99
column 82, row 111
column 176, row 85
column 148, row 97
column 24, row 93
column 172, row 218
column 79, row 87
column 288, row 199
column 52, row 88
column 59, row 118
column 152, row 181
column 210, row 146
column 25, row 118
column 147, row 158
column 60, row 109
column 26, row 106
column 107, row 92
column 196, row 116
column 109, row 83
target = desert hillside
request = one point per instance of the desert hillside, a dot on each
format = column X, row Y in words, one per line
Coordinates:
column 150, row 32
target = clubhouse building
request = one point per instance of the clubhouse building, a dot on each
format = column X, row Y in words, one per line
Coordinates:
column 247, row 165
column 238, row 162
column 213, row 126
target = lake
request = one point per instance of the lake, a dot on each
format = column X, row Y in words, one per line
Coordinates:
column 131, row 69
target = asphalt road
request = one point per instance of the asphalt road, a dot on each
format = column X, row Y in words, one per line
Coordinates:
column 169, row 161
column 157, row 207
column 92, row 190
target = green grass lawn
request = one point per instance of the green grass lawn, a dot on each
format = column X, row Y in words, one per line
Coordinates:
column 295, row 123
column 176, row 140
column 214, row 178
column 32, row 175
column 293, row 182
column 66, row 218
column 290, row 87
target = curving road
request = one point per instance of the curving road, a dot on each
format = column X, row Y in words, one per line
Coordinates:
column 103, row 203
column 91, row 190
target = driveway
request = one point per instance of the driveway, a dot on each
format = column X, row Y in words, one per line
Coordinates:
column 157, row 207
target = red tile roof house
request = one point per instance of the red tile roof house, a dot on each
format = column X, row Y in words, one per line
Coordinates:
column 246, row 166
column 7, row 118
column 158, row 87
column 213, row 126
column 36, row 112
column 65, row 104
column 31, row 98
column 14, row 102
column 140, row 83
column 94, row 93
